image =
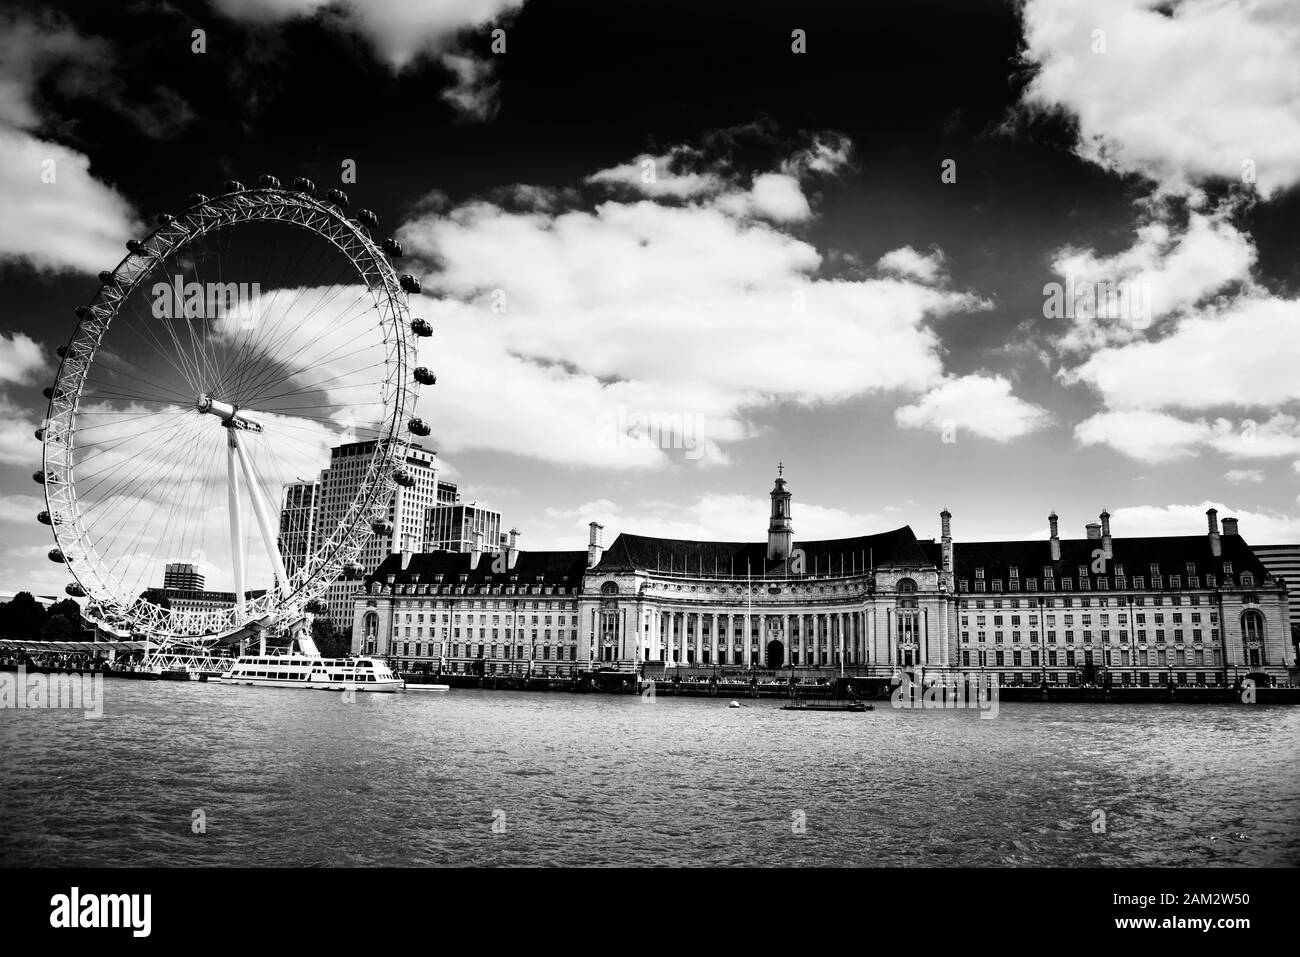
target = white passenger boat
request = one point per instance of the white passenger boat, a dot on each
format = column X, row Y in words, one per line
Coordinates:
column 298, row 670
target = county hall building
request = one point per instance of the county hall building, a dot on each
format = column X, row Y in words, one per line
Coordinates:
column 1197, row 609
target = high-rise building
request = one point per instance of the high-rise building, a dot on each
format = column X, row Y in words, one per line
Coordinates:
column 298, row 525
column 183, row 576
column 1283, row 561
column 448, row 494
column 452, row 528
column 406, row 510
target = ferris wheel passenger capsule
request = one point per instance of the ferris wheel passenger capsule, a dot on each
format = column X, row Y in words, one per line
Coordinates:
column 56, row 555
column 352, row 570
column 198, row 199
column 410, row 284
column 61, row 352
column 233, row 186
column 367, row 218
column 44, row 518
column 381, row 527
column 267, row 181
column 304, row 185
column 338, row 198
column 40, row 434
column 134, row 245
column 421, row 328
column 108, row 277
column 393, row 248
column 38, row 477
column 165, row 219
column 80, row 312
column 403, row 478
column 418, row 427
column 75, row 590
column 52, row 393
column 424, row 376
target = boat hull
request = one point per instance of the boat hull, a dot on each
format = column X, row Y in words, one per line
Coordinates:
column 381, row 687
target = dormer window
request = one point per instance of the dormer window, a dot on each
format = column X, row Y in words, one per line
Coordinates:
column 1119, row 570
column 979, row 572
column 1013, row 572
column 1227, row 568
column 1049, row 572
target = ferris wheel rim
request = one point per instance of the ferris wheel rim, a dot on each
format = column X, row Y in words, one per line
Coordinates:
column 76, row 547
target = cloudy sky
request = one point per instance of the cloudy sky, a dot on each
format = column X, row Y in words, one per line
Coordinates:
column 665, row 250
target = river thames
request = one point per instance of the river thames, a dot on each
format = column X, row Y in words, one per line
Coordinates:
column 479, row 778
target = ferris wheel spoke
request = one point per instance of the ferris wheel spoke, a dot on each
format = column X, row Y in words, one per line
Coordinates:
column 271, row 358
column 115, row 423
column 159, row 441
column 176, row 359
column 343, row 349
column 139, row 496
column 315, row 386
column 255, row 344
column 116, row 372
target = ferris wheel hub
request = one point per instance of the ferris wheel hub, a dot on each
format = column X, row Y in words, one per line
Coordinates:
column 230, row 415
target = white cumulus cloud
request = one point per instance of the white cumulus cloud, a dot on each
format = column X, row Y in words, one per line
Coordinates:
column 980, row 404
column 1177, row 96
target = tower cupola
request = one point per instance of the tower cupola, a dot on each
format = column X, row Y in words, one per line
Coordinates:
column 780, row 533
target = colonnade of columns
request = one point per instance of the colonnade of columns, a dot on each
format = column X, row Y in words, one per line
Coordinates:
column 708, row 636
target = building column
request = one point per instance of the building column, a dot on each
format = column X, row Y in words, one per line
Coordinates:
column 816, row 639
column 785, row 636
column 668, row 638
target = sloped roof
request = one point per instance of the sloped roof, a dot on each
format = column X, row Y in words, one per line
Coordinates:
column 825, row 556
column 434, row 568
column 1172, row 553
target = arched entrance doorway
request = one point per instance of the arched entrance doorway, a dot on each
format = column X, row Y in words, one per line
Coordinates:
column 775, row 654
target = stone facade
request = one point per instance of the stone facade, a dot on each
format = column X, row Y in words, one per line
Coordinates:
column 1140, row 611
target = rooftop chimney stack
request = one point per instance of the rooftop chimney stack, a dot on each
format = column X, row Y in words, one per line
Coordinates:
column 1056, row 537
column 512, row 548
column 1094, row 531
column 476, row 550
column 1229, row 526
column 594, row 549
column 1212, row 519
column 1106, row 544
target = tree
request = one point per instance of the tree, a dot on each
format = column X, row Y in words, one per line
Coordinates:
column 58, row 628
column 22, row 618
column 329, row 641
column 68, row 609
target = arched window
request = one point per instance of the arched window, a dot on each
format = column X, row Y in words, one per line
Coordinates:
column 1252, row 626
column 906, row 586
column 1252, row 636
column 609, row 588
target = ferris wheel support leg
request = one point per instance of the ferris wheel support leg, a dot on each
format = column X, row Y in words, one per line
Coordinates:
column 236, row 526
column 263, row 518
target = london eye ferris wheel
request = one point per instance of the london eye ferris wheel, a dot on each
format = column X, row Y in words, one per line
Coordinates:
column 220, row 361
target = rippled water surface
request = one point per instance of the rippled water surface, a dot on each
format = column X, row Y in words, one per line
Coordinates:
column 305, row 778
